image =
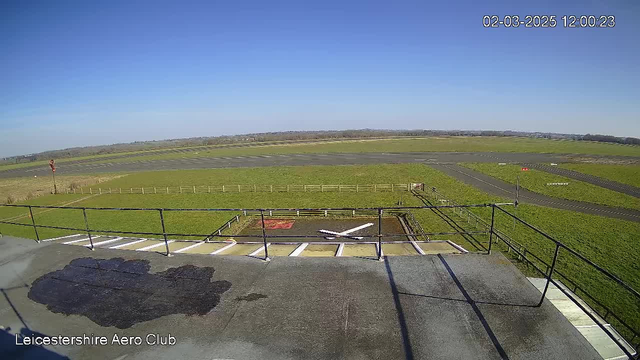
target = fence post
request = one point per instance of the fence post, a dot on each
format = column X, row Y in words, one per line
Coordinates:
column 375, row 188
column 238, row 188
column 271, row 188
column 74, row 190
column 164, row 232
column 142, row 190
column 81, row 191
column 155, row 191
column 493, row 213
column 33, row 221
column 167, row 189
column 90, row 191
column 553, row 265
column 392, row 188
column 209, row 189
column 100, row 189
column 194, row 189
column 131, row 191
column 264, row 237
column 86, row 224
column 222, row 188
column 379, row 234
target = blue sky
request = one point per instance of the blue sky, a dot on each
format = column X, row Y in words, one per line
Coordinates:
column 75, row 73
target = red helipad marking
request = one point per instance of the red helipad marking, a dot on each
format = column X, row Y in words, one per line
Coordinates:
column 276, row 224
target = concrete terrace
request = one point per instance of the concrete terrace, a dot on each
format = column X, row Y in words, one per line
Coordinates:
column 414, row 307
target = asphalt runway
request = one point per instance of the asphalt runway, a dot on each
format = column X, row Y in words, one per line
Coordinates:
column 498, row 187
column 289, row 160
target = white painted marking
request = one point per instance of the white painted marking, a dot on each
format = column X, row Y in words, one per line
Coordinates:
column 261, row 249
column 418, row 248
column 154, row 246
column 62, row 237
column 104, row 242
column 126, row 244
column 340, row 249
column 299, row 249
column 457, row 246
column 222, row 249
column 189, row 247
column 75, row 241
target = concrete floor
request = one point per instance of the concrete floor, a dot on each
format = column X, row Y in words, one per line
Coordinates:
column 424, row 307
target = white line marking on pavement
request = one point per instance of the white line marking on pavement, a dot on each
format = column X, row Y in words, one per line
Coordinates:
column 104, row 242
column 340, row 249
column 75, row 241
column 457, row 246
column 418, row 248
column 222, row 249
column 154, row 246
column 261, row 249
column 299, row 249
column 189, row 247
column 126, row 244
column 62, row 237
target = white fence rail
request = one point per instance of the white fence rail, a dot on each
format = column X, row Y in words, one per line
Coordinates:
column 208, row 189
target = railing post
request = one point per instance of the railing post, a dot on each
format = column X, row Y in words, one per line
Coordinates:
column 86, row 224
column 164, row 231
column 553, row 265
column 33, row 221
column 264, row 237
column 493, row 214
column 379, row 234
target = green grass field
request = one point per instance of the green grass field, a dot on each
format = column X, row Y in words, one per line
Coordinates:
column 436, row 144
column 625, row 174
column 611, row 243
column 537, row 180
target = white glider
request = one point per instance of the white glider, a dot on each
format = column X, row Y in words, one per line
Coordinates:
column 346, row 232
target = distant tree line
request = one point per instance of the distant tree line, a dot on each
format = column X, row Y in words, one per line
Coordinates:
column 300, row 136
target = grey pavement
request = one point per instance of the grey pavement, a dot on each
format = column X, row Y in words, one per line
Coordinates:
column 416, row 307
column 498, row 187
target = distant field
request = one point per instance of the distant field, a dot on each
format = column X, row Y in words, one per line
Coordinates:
column 436, row 144
column 537, row 180
column 19, row 189
column 626, row 174
column 611, row 243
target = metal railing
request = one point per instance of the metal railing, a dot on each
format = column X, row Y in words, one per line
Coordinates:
column 548, row 274
column 371, row 211
column 528, row 256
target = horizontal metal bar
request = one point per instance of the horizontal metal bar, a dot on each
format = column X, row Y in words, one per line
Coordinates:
column 246, row 209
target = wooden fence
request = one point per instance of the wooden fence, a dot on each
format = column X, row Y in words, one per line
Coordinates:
column 208, row 189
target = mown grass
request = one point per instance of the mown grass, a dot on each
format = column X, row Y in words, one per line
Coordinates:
column 537, row 180
column 626, row 174
column 612, row 244
column 435, row 144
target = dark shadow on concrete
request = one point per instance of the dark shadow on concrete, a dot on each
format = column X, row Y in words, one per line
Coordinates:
column 475, row 308
column 8, row 347
column 461, row 300
column 406, row 342
column 121, row 293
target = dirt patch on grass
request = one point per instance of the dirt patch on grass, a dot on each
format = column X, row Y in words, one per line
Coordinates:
column 25, row 188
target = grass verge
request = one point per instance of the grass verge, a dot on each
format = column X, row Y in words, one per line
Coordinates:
column 537, row 180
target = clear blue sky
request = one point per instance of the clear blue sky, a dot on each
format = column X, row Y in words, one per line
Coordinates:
column 76, row 73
